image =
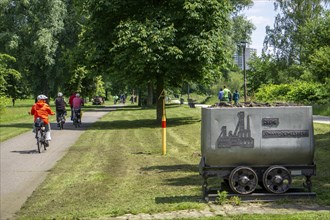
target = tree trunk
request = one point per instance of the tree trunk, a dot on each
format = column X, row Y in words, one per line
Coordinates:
column 139, row 97
column 150, row 94
column 159, row 90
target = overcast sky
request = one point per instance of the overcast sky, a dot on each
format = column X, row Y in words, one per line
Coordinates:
column 261, row 14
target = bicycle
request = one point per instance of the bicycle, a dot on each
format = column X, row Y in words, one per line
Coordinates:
column 40, row 136
column 77, row 117
column 61, row 120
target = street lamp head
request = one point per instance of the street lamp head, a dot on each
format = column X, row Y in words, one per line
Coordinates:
column 243, row 43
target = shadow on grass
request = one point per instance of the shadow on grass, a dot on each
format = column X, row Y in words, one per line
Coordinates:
column 116, row 124
column 322, row 139
column 173, row 168
column 110, row 125
column 142, row 123
column 53, row 126
column 17, row 125
column 192, row 180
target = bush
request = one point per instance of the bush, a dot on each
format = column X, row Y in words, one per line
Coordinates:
column 297, row 92
column 306, row 93
column 4, row 101
column 272, row 93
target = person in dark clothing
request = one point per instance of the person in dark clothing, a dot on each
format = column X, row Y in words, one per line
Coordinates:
column 60, row 105
column 220, row 95
column 236, row 97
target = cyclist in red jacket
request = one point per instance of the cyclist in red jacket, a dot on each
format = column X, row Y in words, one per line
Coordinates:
column 41, row 110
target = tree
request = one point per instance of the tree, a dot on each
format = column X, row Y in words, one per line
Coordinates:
column 319, row 64
column 38, row 34
column 297, row 48
column 161, row 43
column 286, row 40
column 9, row 78
column 317, row 47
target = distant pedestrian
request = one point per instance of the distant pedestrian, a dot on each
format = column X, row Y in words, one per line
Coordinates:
column 132, row 98
column 123, row 98
column 115, row 99
column 226, row 94
column 236, row 97
column 220, row 95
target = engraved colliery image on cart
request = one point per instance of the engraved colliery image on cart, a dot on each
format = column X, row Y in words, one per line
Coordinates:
column 241, row 136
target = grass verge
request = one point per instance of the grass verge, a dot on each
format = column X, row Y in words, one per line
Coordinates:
column 116, row 167
column 15, row 120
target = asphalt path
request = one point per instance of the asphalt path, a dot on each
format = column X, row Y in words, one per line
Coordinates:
column 321, row 119
column 23, row 168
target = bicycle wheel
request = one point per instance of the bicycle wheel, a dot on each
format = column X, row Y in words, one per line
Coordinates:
column 38, row 141
column 45, row 145
column 62, row 121
column 61, row 124
column 44, row 142
column 75, row 122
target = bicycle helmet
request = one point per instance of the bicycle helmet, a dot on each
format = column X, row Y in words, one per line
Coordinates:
column 77, row 95
column 60, row 94
column 42, row 97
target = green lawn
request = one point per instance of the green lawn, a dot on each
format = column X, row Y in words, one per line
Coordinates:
column 16, row 120
column 116, row 167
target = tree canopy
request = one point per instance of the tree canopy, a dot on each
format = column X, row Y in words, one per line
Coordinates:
column 162, row 43
column 95, row 46
column 37, row 33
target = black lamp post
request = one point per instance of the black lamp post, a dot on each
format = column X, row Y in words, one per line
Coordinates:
column 243, row 44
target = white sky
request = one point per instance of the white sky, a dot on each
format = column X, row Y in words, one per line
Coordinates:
column 261, row 14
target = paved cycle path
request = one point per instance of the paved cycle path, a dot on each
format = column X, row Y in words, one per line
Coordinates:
column 23, row 168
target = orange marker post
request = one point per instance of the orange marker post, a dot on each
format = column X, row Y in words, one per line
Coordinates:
column 163, row 124
column 164, row 134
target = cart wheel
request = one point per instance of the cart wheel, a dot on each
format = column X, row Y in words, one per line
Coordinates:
column 277, row 179
column 243, row 180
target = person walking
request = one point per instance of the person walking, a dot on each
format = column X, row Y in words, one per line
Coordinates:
column 220, row 95
column 41, row 110
column 226, row 94
column 60, row 105
column 236, row 97
column 115, row 99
